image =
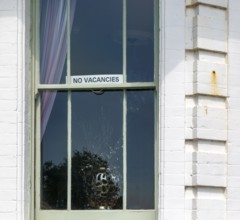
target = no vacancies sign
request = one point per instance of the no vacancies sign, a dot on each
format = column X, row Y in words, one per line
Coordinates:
column 97, row 79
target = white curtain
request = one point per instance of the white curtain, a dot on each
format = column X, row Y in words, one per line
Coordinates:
column 53, row 47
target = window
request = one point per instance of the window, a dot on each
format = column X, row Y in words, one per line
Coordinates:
column 96, row 87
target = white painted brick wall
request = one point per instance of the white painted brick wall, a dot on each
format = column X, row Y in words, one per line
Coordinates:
column 11, row 109
column 206, row 88
column 172, row 110
column 193, row 173
column 234, row 111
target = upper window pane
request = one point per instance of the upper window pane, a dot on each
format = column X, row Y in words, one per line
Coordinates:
column 95, row 50
column 96, row 37
column 140, row 39
column 53, row 41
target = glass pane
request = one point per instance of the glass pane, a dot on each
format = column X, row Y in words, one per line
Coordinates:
column 53, row 41
column 140, row 150
column 96, row 37
column 54, row 150
column 140, row 39
column 97, row 150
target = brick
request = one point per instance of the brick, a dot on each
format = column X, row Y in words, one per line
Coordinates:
column 8, row 5
column 173, row 191
column 7, row 172
column 204, row 10
column 219, row 3
column 8, row 161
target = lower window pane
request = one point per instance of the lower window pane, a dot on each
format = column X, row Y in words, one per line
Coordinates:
column 54, row 150
column 140, row 149
column 97, row 150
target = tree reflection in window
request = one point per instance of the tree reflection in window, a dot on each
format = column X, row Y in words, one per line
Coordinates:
column 54, row 179
column 94, row 186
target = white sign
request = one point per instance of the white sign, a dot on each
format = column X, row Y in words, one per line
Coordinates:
column 97, row 79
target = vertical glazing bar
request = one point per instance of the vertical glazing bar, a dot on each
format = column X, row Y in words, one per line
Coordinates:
column 37, row 46
column 124, row 149
column 157, row 101
column 124, row 105
column 157, row 78
column 124, row 41
column 34, row 166
column 156, row 42
column 38, row 108
column 69, row 176
column 69, row 170
column 38, row 153
column 68, row 41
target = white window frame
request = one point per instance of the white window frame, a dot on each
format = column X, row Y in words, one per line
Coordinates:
column 36, row 136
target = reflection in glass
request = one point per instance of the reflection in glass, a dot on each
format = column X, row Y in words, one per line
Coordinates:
column 53, row 41
column 97, row 150
column 54, row 154
column 94, row 49
column 140, row 39
column 140, row 149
